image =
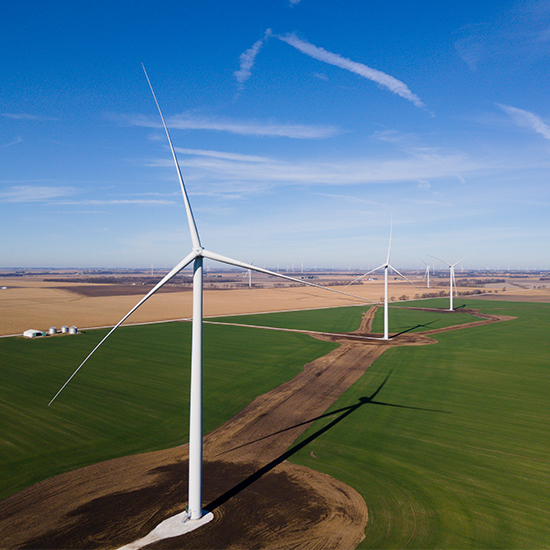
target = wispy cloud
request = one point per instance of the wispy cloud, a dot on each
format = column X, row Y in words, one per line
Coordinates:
column 526, row 119
column 61, row 195
column 23, row 116
column 222, row 155
column 389, row 82
column 18, row 140
column 248, row 128
column 143, row 202
column 35, row 193
column 416, row 166
column 247, row 58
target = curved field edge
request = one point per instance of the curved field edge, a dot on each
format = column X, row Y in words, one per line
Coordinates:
column 132, row 396
column 448, row 444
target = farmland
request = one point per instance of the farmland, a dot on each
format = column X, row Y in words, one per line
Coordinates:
column 446, row 443
column 133, row 397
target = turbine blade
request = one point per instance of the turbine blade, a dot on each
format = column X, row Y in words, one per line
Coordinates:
column 389, row 246
column 462, row 259
column 224, row 259
column 184, row 263
column 364, row 275
column 442, row 261
column 190, row 218
column 403, row 276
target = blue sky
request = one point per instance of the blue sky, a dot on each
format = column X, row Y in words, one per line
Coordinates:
column 300, row 127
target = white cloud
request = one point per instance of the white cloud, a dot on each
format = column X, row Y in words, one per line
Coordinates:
column 35, row 193
column 18, row 140
column 146, row 202
column 222, row 155
column 250, row 128
column 23, row 116
column 527, row 119
column 247, row 58
column 237, row 175
column 391, row 83
column 60, row 195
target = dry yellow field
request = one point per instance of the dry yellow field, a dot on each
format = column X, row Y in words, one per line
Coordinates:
column 33, row 303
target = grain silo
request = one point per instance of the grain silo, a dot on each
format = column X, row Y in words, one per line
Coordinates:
column 64, row 329
column 52, row 330
column 73, row 330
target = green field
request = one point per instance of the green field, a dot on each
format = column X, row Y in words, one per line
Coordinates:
column 447, row 443
column 347, row 319
column 132, row 396
column 341, row 319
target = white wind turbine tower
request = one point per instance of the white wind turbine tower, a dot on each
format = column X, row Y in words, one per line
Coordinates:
column 196, row 256
column 427, row 273
column 452, row 282
column 250, row 275
column 386, row 268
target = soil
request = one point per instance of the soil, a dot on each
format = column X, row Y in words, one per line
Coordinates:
column 259, row 500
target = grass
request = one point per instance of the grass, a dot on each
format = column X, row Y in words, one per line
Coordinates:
column 132, row 396
column 448, row 443
column 406, row 320
column 341, row 319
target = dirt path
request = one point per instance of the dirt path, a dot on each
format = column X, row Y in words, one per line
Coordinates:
column 259, row 499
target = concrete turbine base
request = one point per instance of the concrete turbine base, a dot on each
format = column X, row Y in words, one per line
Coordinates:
column 177, row 525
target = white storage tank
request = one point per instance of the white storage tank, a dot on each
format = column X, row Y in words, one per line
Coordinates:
column 73, row 330
column 52, row 330
column 64, row 329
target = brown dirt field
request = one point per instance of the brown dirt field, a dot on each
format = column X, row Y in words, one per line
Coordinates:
column 259, row 500
column 120, row 290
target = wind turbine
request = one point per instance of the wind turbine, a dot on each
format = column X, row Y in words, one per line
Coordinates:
column 452, row 282
column 250, row 275
column 196, row 256
column 386, row 267
column 427, row 274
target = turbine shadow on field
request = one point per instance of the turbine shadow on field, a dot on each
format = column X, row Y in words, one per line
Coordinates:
column 415, row 327
column 343, row 413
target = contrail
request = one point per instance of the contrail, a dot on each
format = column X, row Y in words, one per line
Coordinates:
column 527, row 120
column 394, row 85
column 247, row 59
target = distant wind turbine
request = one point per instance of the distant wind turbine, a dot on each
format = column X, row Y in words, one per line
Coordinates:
column 386, row 267
column 196, row 256
column 250, row 275
column 452, row 281
column 427, row 273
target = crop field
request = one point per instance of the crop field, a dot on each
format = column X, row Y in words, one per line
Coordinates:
column 407, row 320
column 132, row 396
column 341, row 319
column 448, row 444
column 347, row 319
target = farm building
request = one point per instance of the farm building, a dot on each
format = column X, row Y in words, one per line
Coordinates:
column 32, row 333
